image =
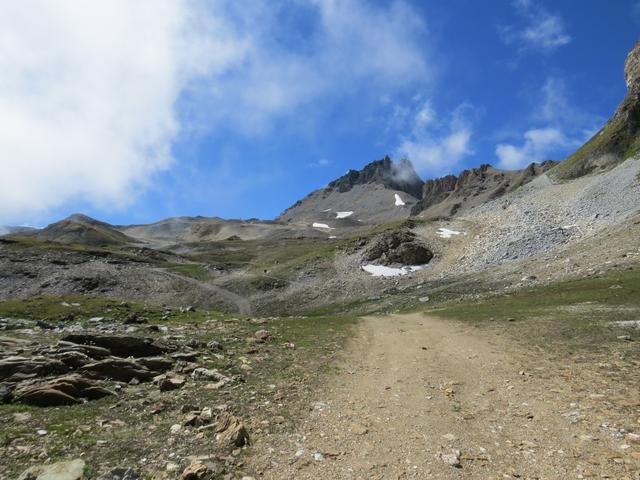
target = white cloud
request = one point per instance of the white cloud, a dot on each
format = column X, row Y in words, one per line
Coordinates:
column 540, row 29
column 537, row 143
column 560, row 127
column 437, row 146
column 89, row 91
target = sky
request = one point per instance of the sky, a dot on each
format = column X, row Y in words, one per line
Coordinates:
column 136, row 111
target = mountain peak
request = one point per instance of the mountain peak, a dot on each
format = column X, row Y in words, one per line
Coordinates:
column 395, row 175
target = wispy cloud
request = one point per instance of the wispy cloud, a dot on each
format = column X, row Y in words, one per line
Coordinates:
column 94, row 96
column 322, row 162
column 558, row 127
column 437, row 145
column 539, row 29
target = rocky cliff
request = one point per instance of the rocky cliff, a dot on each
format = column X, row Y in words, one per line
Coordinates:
column 619, row 138
column 446, row 196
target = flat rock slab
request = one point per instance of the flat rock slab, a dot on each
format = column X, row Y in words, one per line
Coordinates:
column 71, row 470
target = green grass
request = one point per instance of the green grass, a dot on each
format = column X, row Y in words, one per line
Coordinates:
column 52, row 308
column 614, row 138
column 192, row 270
column 574, row 312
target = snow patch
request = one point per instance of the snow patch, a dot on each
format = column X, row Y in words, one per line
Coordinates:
column 332, row 236
column 382, row 271
column 321, row 225
column 327, row 210
column 343, row 214
column 399, row 202
column 627, row 324
column 446, row 233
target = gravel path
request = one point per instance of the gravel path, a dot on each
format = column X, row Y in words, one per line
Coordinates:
column 421, row 397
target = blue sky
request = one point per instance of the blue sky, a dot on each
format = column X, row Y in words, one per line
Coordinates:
column 238, row 109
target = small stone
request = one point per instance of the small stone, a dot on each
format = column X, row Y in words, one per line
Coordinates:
column 21, row 417
column 262, row 336
column 452, row 458
column 195, row 471
column 175, row 428
column 358, row 429
column 318, row 457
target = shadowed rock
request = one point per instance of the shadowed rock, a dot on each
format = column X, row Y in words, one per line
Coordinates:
column 121, row 345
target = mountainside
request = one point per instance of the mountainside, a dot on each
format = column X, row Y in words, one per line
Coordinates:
column 15, row 230
column 618, row 139
column 382, row 191
column 205, row 229
column 82, row 229
column 446, row 196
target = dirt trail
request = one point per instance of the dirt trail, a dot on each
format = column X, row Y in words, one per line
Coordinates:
column 415, row 389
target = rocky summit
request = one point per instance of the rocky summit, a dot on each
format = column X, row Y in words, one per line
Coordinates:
column 478, row 325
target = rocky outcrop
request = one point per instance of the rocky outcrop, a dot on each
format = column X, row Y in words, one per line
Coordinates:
column 397, row 176
column 397, row 247
column 619, row 138
column 446, row 196
column 67, row 390
column 121, row 345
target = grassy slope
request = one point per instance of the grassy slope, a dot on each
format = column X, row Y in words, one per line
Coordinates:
column 619, row 137
column 576, row 312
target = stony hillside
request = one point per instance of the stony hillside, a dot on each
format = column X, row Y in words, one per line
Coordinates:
column 177, row 230
column 80, row 229
column 446, row 196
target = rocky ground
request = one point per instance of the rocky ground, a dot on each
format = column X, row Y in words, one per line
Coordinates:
column 154, row 390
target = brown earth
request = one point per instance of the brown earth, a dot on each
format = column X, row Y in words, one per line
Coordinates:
column 415, row 389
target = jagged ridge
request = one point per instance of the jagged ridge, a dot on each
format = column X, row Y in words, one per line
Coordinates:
column 448, row 195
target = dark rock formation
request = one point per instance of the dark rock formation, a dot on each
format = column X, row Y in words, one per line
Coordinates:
column 66, row 390
column 396, row 176
column 446, row 196
column 397, row 247
column 121, row 345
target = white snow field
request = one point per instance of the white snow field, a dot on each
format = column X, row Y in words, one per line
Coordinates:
column 446, row 233
column 399, row 201
column 343, row 214
column 382, row 271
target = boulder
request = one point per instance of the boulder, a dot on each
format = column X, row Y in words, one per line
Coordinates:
column 195, row 471
column 19, row 368
column 70, row 470
column 398, row 247
column 262, row 336
column 231, row 432
column 169, row 382
column 66, row 390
